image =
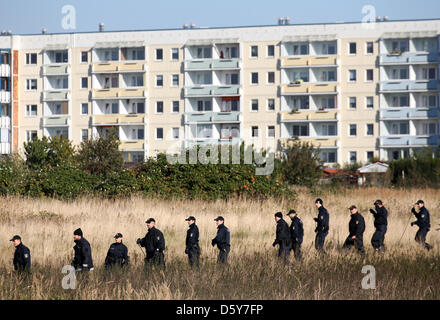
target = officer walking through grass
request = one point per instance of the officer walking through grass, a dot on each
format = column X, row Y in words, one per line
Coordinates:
column 322, row 226
column 423, row 222
column 222, row 240
column 380, row 223
column 356, row 228
column 296, row 233
column 117, row 254
column 22, row 255
column 154, row 244
column 192, row 248
column 83, row 252
column 282, row 236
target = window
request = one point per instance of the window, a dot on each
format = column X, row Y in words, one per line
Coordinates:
column 429, row 129
column 204, row 105
column 159, row 107
column 31, row 84
column 61, row 57
column 175, row 107
column 370, row 129
column 204, row 53
column 271, row 131
column 328, row 130
column 352, row 103
column 254, row 105
column 352, row 48
column 399, row 74
column 204, row 131
column 271, row 51
column 300, row 130
column 271, row 77
column 176, row 133
column 400, row 45
column 175, row 54
column 352, row 75
column 139, row 134
column 328, row 156
column 138, row 107
column 111, row 55
column 84, row 83
column 233, row 79
column 159, row 54
column 326, row 103
column 254, row 132
column 300, row 49
column 428, row 74
column 31, row 135
column 353, row 130
column 254, row 78
column 400, row 128
column 159, row 133
column 254, row 51
column 353, row 156
column 31, row 110
column 329, row 48
column 299, row 75
column 325, row 76
column 136, row 81
column 270, row 104
column 159, row 81
column 84, row 134
column 175, row 80
column 31, row 58
column 115, row 108
column 369, row 102
column 400, row 101
column 370, row 155
column 300, row 102
column 84, row 57
column 429, row 101
column 369, row 74
column 369, row 46
column 84, row 108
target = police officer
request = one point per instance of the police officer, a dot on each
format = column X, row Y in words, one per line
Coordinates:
column 154, row 244
column 356, row 228
column 380, row 223
column 222, row 240
column 117, row 253
column 282, row 236
column 322, row 226
column 83, row 252
column 192, row 248
column 22, row 255
column 296, row 233
column 423, row 222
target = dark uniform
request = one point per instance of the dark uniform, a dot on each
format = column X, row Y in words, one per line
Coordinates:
column 322, row 228
column 154, row 244
column 223, row 242
column 192, row 248
column 380, row 223
column 356, row 228
column 22, row 258
column 282, row 239
column 296, row 234
column 117, row 255
column 423, row 222
column 83, row 255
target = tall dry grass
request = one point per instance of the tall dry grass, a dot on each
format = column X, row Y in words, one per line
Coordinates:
column 405, row 271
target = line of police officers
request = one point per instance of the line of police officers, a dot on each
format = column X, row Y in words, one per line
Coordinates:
column 288, row 238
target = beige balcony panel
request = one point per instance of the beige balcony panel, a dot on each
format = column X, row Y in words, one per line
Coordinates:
column 295, row 61
column 324, row 61
column 105, row 119
column 131, row 118
column 132, row 145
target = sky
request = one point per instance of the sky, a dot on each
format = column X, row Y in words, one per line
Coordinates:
column 30, row 16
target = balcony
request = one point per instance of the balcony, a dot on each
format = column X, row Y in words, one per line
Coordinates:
column 56, row 121
column 409, row 113
column 135, row 145
column 209, row 141
column 317, row 88
column 316, row 141
column 408, row 85
column 54, row 70
column 5, row 148
column 219, row 117
column 5, row 70
column 225, row 64
column 5, row 96
column 309, row 61
column 115, row 93
column 227, row 90
column 122, row 66
column 5, row 122
column 411, row 141
column 112, row 119
column 56, row 96
column 409, row 57
column 310, row 115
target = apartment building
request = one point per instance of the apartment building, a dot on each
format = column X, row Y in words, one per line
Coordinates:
column 358, row 91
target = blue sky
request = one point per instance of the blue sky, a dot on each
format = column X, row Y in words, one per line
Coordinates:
column 30, row 16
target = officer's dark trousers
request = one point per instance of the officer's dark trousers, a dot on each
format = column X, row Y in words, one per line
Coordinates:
column 284, row 249
column 319, row 241
column 155, row 259
column 296, row 247
column 223, row 255
column 421, row 238
column 194, row 257
column 358, row 243
column 377, row 241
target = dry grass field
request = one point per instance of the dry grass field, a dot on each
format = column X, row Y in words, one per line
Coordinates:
column 405, row 271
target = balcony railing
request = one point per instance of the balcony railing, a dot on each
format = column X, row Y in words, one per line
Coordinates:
column 222, row 90
column 5, row 70
column 330, row 115
column 316, row 141
column 212, row 64
column 5, row 122
column 409, row 57
column 233, row 116
column 5, row 96
column 309, row 61
column 56, row 95
column 118, row 66
column 409, row 85
column 5, row 148
column 57, row 121
column 131, row 145
column 104, row 119
column 409, row 113
column 309, row 88
column 390, row 141
column 118, row 93
column 50, row 70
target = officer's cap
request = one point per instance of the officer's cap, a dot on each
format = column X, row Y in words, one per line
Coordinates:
column 118, row 235
column 219, row 218
column 420, row 201
column 150, row 220
column 279, row 215
column 78, row 232
column 16, row 237
column 190, row 218
column 291, row 212
column 352, row 207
